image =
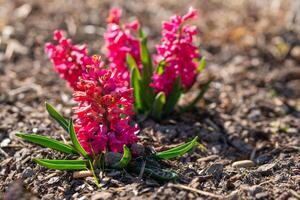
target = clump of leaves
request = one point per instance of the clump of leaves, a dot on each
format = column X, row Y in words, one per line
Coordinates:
column 140, row 160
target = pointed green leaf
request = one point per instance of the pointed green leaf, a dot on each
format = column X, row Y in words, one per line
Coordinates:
column 57, row 116
column 177, row 151
column 146, row 58
column 94, row 175
column 179, row 147
column 48, row 142
column 160, row 67
column 62, row 164
column 131, row 62
column 201, row 65
column 148, row 94
column 136, row 85
column 158, row 105
column 126, row 158
column 173, row 97
column 75, row 141
column 197, row 98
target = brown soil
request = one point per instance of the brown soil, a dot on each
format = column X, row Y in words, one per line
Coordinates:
column 251, row 111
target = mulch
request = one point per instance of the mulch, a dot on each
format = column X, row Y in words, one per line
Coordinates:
column 251, row 112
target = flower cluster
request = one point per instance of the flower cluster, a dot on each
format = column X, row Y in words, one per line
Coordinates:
column 104, row 109
column 178, row 53
column 104, row 96
column 66, row 58
column 120, row 42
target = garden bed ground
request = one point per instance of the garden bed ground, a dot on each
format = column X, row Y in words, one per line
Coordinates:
column 251, row 112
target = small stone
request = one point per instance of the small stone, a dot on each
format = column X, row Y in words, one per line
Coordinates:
column 266, row 169
column 215, row 170
column 243, row 164
column 5, row 142
column 263, row 159
column 112, row 158
column 28, row 172
column 296, row 52
column 53, row 180
column 137, row 150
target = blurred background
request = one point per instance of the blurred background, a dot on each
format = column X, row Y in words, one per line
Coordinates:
column 252, row 48
column 265, row 31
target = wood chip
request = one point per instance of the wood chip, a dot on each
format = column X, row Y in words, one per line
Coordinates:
column 201, row 192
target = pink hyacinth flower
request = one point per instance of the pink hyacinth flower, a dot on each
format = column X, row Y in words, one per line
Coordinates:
column 66, row 58
column 178, row 52
column 105, row 109
column 120, row 42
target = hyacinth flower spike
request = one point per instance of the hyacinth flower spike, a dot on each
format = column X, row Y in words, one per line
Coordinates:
column 178, row 63
column 120, row 41
column 66, row 57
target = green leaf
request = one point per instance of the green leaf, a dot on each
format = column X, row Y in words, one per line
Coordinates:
column 177, row 151
column 160, row 67
column 179, row 147
column 62, row 164
column 57, row 116
column 161, row 174
column 145, row 57
column 94, row 175
column 75, row 141
column 131, row 62
column 200, row 95
column 201, row 65
column 48, row 142
column 148, row 94
column 126, row 158
column 136, row 85
column 158, row 105
column 173, row 97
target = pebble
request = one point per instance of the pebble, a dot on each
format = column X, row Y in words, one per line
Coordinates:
column 266, row 169
column 53, row 180
column 35, row 130
column 263, row 159
column 5, row 142
column 215, row 169
column 28, row 172
column 243, row 164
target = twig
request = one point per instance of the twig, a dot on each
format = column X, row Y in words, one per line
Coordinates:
column 295, row 194
column 201, row 192
column 208, row 158
column 63, row 138
column 4, row 153
column 82, row 174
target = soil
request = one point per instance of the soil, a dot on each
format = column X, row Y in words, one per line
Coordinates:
column 251, row 111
